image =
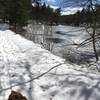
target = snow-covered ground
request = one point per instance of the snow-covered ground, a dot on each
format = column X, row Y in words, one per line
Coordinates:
column 38, row 74
column 21, row 60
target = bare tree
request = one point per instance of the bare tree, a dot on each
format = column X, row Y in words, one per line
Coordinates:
column 94, row 36
column 93, row 26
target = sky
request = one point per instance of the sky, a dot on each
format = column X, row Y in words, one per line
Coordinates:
column 68, row 6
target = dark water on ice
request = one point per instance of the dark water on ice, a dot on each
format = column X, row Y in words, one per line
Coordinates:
column 55, row 40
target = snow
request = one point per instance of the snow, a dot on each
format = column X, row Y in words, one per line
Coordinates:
column 23, row 67
column 74, row 34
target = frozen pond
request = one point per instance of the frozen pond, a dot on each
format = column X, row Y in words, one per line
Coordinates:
column 66, row 40
column 62, row 41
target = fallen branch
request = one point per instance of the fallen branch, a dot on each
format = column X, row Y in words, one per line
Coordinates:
column 94, row 64
column 34, row 78
column 89, row 40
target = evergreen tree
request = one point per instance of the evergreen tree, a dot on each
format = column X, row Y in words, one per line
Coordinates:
column 57, row 12
column 37, row 11
column 23, row 12
column 3, row 7
column 45, row 14
column 17, row 12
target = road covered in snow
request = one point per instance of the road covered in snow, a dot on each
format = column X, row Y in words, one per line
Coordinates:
column 36, row 73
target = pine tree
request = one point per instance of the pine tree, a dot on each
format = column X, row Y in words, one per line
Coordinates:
column 23, row 12
column 3, row 6
column 17, row 12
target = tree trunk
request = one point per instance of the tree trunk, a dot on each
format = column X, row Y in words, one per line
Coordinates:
column 94, row 33
column 94, row 45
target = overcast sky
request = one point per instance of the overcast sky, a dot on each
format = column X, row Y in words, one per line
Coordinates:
column 68, row 6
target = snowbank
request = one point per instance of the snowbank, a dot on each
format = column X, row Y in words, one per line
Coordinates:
column 21, row 60
column 38, row 74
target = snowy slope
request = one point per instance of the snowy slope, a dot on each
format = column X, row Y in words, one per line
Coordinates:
column 38, row 74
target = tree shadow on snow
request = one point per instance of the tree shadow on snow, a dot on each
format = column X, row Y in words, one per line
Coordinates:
column 80, row 57
column 26, row 88
column 78, row 86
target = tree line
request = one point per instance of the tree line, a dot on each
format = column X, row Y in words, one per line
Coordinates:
column 81, row 17
column 45, row 14
column 18, row 12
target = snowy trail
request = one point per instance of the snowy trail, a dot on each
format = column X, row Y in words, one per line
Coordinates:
column 22, row 60
column 19, row 59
